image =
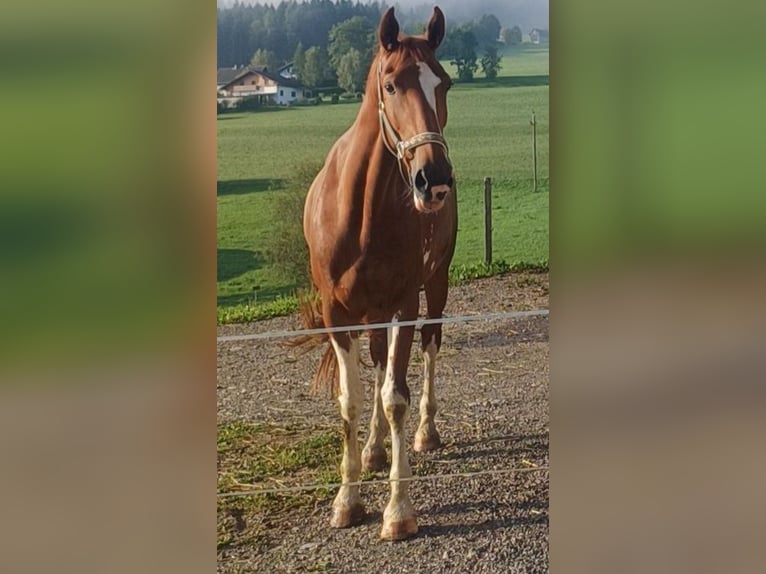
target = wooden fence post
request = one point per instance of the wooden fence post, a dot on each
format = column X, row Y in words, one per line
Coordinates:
column 533, row 123
column 488, row 220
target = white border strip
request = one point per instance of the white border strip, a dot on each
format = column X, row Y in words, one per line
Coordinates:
column 371, row 326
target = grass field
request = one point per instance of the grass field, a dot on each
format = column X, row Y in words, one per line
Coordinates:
column 489, row 135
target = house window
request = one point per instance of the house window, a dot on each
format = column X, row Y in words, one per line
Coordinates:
column 293, row 93
column 252, row 82
column 281, row 92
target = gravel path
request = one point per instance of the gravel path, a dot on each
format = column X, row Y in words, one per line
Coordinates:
column 492, row 390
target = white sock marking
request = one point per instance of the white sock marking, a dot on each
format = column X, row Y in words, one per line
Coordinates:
column 399, row 506
column 350, row 385
column 378, row 422
column 350, row 400
column 428, row 398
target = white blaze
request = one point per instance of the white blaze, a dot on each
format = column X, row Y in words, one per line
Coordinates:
column 428, row 82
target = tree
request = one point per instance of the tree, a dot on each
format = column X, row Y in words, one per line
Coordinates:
column 511, row 36
column 265, row 59
column 449, row 48
column 490, row 62
column 352, row 71
column 414, row 28
column 299, row 61
column 356, row 33
column 487, row 30
column 315, row 70
column 465, row 55
column 246, row 26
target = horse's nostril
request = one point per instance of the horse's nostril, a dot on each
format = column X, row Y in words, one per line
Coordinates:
column 441, row 195
column 420, row 180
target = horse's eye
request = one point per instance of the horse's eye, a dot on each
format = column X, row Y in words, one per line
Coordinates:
column 390, row 88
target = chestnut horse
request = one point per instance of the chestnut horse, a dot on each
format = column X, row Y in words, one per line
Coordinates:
column 380, row 220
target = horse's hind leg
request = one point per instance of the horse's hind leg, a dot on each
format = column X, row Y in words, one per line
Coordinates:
column 347, row 509
column 427, row 437
column 374, row 453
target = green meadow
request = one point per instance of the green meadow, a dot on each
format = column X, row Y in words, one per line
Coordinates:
column 489, row 134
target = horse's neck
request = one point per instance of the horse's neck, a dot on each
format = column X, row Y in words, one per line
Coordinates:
column 374, row 211
column 377, row 179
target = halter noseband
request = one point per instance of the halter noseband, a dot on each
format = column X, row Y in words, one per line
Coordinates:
column 403, row 146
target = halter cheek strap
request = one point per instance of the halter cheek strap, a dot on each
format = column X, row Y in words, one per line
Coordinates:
column 403, row 146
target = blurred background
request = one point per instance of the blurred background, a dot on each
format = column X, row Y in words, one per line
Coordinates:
column 108, row 291
column 657, row 240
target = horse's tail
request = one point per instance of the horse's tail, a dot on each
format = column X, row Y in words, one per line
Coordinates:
column 327, row 376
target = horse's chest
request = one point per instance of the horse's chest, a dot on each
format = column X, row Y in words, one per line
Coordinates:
column 382, row 279
column 402, row 259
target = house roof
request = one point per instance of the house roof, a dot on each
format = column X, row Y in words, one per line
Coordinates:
column 281, row 80
column 226, row 75
column 243, row 71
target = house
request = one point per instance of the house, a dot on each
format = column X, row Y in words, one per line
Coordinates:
column 538, row 36
column 226, row 75
column 235, row 84
column 287, row 71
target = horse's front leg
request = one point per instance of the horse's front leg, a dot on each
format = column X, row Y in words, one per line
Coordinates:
column 374, row 453
column 399, row 517
column 427, row 437
column 347, row 509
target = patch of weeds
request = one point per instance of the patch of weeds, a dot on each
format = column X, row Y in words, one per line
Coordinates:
column 251, row 454
column 373, row 475
column 321, row 566
column 257, row 456
column 235, row 434
column 461, row 274
column 319, row 451
column 247, row 312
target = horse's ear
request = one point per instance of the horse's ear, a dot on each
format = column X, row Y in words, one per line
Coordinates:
column 389, row 30
column 435, row 28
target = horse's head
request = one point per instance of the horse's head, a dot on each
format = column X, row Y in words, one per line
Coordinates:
column 412, row 94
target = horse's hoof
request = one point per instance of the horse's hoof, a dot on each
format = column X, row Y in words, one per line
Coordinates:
column 345, row 516
column 425, row 442
column 374, row 459
column 400, row 530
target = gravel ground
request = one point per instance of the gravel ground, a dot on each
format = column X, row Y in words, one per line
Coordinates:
column 492, row 390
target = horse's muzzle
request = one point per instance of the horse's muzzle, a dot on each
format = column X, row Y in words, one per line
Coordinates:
column 429, row 197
